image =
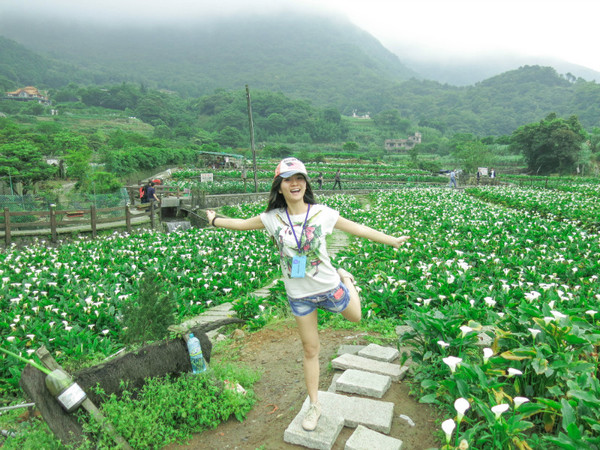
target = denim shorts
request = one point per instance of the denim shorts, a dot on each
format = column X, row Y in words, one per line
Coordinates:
column 335, row 300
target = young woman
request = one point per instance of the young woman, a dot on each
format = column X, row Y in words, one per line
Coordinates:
column 299, row 226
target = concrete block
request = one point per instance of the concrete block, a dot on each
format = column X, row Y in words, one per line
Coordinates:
column 169, row 202
column 380, row 353
column 365, row 439
column 374, row 414
column 323, row 437
column 403, row 372
column 363, row 383
column 347, row 361
column 351, row 349
column 333, row 385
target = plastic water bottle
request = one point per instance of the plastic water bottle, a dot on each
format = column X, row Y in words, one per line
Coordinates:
column 196, row 357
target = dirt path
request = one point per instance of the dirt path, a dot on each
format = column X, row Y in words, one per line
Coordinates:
column 276, row 350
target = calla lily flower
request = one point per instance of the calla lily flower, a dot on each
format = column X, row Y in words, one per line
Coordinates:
column 487, row 354
column 532, row 295
column 452, row 362
column 513, row 372
column 443, row 344
column 499, row 409
column 534, row 332
column 465, row 330
column 519, row 401
column 489, row 301
column 461, row 405
column 448, row 427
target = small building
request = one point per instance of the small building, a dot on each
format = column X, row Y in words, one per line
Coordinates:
column 399, row 145
column 360, row 116
column 28, row 93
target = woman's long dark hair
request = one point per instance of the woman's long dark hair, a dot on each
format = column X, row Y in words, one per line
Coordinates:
column 277, row 201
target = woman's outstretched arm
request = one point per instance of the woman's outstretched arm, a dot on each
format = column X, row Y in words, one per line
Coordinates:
column 368, row 233
column 253, row 223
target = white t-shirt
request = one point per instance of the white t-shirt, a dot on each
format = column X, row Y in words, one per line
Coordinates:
column 320, row 275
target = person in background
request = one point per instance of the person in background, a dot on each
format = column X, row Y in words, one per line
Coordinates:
column 151, row 193
column 453, row 179
column 144, row 193
column 300, row 227
column 244, row 177
column 320, row 180
column 337, row 180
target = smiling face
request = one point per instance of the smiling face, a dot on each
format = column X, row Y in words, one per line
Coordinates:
column 293, row 188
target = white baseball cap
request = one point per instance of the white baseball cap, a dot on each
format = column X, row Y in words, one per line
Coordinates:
column 290, row 166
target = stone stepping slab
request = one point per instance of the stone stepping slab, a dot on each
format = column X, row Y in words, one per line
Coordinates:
column 352, row 411
column 347, row 361
column 323, row 437
column 379, row 353
column 365, row 439
column 360, row 382
column 222, row 311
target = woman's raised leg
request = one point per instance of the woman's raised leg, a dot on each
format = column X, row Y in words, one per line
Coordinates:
column 353, row 311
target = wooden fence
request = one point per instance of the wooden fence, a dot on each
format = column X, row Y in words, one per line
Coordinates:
column 67, row 221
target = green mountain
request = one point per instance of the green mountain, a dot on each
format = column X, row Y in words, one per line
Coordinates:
column 311, row 57
column 333, row 64
column 21, row 67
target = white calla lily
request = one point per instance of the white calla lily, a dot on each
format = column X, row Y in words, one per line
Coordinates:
column 448, row 427
column 443, row 344
column 519, row 401
column 487, row 354
column 499, row 409
column 452, row 362
column 465, row 330
column 461, row 405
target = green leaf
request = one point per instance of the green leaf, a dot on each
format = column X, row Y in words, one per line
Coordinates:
column 426, row 384
column 429, row 398
column 568, row 415
column 548, row 402
column 573, row 431
column 585, row 396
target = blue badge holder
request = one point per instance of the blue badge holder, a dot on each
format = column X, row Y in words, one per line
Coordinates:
column 298, row 266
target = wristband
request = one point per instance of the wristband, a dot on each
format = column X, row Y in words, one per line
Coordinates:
column 213, row 222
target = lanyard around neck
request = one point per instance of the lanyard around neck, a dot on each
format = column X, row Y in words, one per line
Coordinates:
column 298, row 242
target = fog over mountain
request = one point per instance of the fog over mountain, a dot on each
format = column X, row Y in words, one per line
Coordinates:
column 467, row 70
column 75, row 33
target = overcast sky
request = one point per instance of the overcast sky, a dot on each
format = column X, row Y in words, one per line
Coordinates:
column 562, row 29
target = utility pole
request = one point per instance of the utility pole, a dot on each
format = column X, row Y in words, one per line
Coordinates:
column 251, row 123
column 12, row 192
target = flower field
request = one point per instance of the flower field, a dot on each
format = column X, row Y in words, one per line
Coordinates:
column 502, row 300
column 69, row 298
column 529, row 283
column 354, row 176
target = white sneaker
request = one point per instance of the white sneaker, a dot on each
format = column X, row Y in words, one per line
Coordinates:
column 312, row 417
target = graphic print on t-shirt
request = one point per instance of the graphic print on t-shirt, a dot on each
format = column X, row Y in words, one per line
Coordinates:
column 310, row 243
